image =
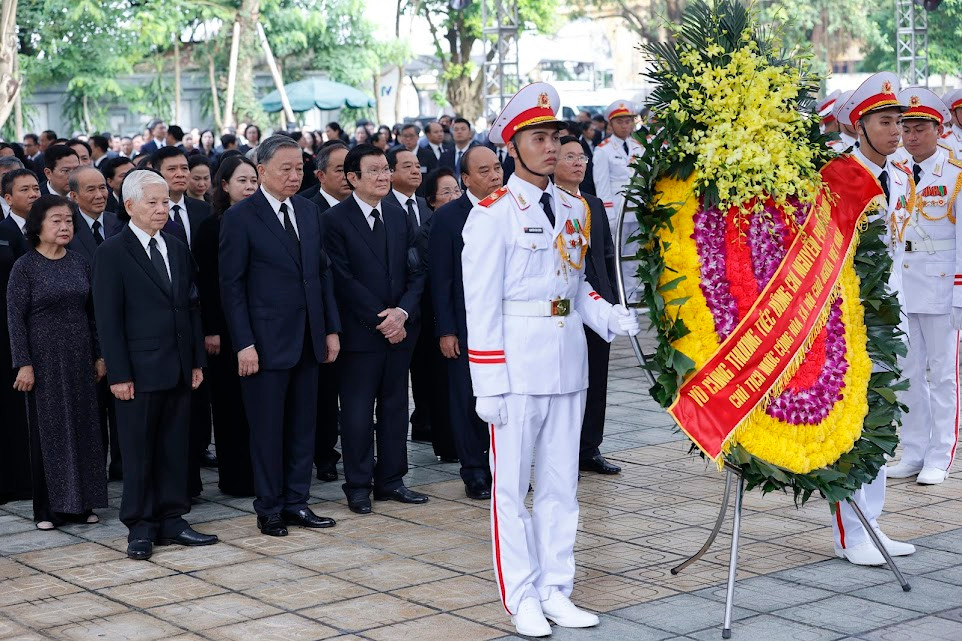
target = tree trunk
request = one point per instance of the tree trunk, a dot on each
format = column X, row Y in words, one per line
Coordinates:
column 376, row 77
column 247, row 108
column 88, row 126
column 276, row 75
column 232, row 75
column 177, row 78
column 464, row 95
column 397, row 94
column 215, row 102
column 9, row 70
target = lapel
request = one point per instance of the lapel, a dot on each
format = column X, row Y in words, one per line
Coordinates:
column 265, row 213
column 423, row 210
column 302, row 226
column 174, row 262
column 84, row 236
column 140, row 257
column 356, row 216
column 392, row 232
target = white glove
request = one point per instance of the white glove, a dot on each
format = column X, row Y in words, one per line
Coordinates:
column 957, row 317
column 623, row 321
column 492, row 410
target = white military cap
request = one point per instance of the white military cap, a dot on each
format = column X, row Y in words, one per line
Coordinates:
column 878, row 91
column 533, row 105
column 621, row 108
column 826, row 108
column 953, row 99
column 923, row 104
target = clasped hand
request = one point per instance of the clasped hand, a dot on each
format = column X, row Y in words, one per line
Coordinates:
column 392, row 327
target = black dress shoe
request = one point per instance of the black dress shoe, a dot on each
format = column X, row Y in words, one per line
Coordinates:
column 140, row 549
column 401, row 494
column 189, row 537
column 597, row 463
column 360, row 505
column 421, row 434
column 449, row 459
column 208, row 459
column 306, row 518
column 478, row 490
column 272, row 525
column 327, row 472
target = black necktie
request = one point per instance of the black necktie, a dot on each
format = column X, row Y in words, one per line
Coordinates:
column 412, row 217
column 380, row 238
column 289, row 226
column 916, row 173
column 883, row 178
column 175, row 215
column 158, row 260
column 624, row 145
column 546, row 204
column 98, row 237
column 457, row 166
column 501, row 156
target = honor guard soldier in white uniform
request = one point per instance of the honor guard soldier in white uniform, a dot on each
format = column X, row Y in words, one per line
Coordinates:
column 952, row 134
column 927, row 233
column 847, row 138
column 526, row 297
column 874, row 113
column 612, row 171
column 825, row 110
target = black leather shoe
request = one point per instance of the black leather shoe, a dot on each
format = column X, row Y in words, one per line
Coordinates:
column 272, row 525
column 327, row 472
column 477, row 490
column 449, row 459
column 597, row 463
column 306, row 518
column 401, row 494
column 140, row 549
column 360, row 505
column 189, row 537
column 208, row 459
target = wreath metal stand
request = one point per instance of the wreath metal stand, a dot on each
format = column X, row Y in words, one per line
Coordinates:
column 730, row 473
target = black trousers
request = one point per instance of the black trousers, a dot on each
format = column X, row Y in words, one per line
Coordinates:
column 422, row 418
column 469, row 432
column 231, row 431
column 442, row 434
column 328, row 415
column 200, row 428
column 153, row 429
column 369, row 378
column 593, row 426
column 108, row 426
column 281, row 409
column 15, row 469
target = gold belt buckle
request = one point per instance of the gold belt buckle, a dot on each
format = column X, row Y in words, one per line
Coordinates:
column 561, row 307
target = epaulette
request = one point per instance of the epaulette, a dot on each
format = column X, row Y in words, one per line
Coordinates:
column 903, row 168
column 603, row 142
column 948, row 149
column 955, row 162
column 492, row 198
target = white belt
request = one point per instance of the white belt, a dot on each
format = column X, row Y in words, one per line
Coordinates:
column 536, row 308
column 929, row 245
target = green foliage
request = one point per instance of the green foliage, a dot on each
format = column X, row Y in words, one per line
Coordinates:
column 945, row 30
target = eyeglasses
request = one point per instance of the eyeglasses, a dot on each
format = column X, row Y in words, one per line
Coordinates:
column 377, row 173
column 450, row 192
column 576, row 159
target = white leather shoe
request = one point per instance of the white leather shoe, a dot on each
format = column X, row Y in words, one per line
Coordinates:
column 895, row 548
column 863, row 554
column 931, row 476
column 529, row 620
column 902, row 470
column 562, row 611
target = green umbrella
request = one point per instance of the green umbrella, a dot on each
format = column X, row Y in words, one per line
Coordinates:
column 324, row 94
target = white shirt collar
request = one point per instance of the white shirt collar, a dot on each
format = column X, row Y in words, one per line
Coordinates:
column 331, row 200
column 21, row 222
column 5, row 206
column 52, row 190
column 276, row 204
column 365, row 208
column 160, row 142
column 144, row 237
column 182, row 202
column 872, row 167
column 928, row 165
column 474, row 199
column 401, row 198
column 462, row 149
column 90, row 220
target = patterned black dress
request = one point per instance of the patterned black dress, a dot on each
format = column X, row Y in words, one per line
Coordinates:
column 51, row 320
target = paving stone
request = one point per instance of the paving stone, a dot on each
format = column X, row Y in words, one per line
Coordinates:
column 838, row 576
column 927, row 595
column 40, row 614
column 132, row 626
column 213, row 611
column 769, row 627
column 846, row 614
column 766, row 594
column 928, row 628
column 680, row 614
column 282, row 627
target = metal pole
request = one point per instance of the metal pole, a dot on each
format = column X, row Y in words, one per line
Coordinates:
column 622, row 295
column 715, row 530
column 733, row 561
column 878, row 544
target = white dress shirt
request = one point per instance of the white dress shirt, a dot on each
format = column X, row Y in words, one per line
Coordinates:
column 474, row 199
column 367, row 210
column 401, row 198
column 90, row 223
column 5, row 207
column 52, row 190
column 331, row 200
column 21, row 222
column 182, row 215
column 436, row 149
column 144, row 239
column 276, row 205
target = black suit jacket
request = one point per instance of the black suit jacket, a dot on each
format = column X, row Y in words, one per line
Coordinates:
column 444, row 267
column 14, row 236
column 12, row 246
column 83, row 238
column 368, row 281
column 600, row 262
column 429, row 162
column 113, row 203
column 44, row 187
column 424, row 211
column 149, row 334
column 148, row 147
column 272, row 290
column 197, row 212
column 321, row 202
column 310, row 192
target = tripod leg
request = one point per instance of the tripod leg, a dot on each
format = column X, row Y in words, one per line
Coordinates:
column 733, row 561
column 878, row 544
column 714, row 533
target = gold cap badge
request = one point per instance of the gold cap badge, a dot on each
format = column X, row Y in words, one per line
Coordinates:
column 915, row 101
column 544, row 101
column 886, row 87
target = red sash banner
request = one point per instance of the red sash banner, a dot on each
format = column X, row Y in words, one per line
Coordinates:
column 745, row 369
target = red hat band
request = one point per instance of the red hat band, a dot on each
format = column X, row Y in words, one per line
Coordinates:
column 877, row 101
column 622, row 111
column 956, row 105
column 526, row 118
column 921, row 111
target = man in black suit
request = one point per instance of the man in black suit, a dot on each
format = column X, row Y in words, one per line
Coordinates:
column 332, row 188
column 600, row 274
column 378, row 288
column 172, row 163
column 482, row 176
column 115, row 170
column 158, row 140
column 20, row 190
column 59, row 162
column 148, row 320
column 405, row 181
column 31, row 149
column 407, row 138
column 463, row 140
column 92, row 225
column 278, row 298
column 430, row 154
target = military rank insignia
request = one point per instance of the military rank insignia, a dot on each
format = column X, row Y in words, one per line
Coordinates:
column 934, row 190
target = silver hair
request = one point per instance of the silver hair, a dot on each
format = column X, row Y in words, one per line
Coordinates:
column 10, row 163
column 133, row 186
column 270, row 146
